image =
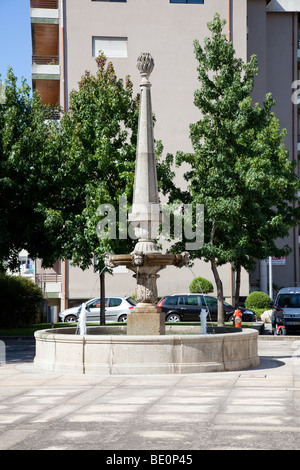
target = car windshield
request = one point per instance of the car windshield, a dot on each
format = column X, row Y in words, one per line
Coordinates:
column 289, row 301
column 131, row 301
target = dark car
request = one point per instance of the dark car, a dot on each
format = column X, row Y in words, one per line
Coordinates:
column 187, row 307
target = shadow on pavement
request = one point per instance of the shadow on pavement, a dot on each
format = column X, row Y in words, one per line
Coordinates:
column 17, row 350
column 267, row 362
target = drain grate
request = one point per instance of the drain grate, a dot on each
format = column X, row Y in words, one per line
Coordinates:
column 256, row 376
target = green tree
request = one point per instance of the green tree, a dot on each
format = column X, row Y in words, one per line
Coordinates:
column 97, row 152
column 24, row 172
column 97, row 155
column 239, row 169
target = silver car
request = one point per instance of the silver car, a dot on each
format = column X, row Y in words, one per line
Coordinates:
column 286, row 309
column 116, row 310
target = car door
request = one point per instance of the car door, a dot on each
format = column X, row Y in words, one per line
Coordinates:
column 114, row 308
column 189, row 307
column 93, row 312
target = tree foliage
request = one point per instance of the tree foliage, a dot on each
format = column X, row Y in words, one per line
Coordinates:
column 239, row 169
column 20, row 300
column 97, row 154
column 25, row 172
column 57, row 180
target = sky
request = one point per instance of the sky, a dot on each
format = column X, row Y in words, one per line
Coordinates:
column 15, row 39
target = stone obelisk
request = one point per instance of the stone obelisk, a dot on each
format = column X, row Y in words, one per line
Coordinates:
column 145, row 260
column 145, row 214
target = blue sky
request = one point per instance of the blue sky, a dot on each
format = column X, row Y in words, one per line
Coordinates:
column 15, row 39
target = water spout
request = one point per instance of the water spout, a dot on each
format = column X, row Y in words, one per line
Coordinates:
column 203, row 315
column 81, row 324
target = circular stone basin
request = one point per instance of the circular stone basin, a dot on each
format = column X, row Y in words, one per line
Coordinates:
column 182, row 350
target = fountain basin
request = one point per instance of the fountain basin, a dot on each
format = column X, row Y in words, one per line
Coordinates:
column 113, row 352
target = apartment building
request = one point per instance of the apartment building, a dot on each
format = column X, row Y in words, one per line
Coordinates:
column 66, row 38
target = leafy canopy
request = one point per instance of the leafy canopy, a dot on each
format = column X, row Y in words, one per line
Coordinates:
column 239, row 169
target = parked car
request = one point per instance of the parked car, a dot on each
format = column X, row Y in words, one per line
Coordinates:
column 286, row 309
column 116, row 309
column 187, row 307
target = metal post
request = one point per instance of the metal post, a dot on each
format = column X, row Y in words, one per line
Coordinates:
column 270, row 278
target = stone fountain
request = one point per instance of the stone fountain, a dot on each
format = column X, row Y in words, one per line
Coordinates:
column 146, row 345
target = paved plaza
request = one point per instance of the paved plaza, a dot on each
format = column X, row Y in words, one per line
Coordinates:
column 256, row 409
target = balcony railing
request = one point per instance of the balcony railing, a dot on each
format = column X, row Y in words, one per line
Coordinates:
column 48, row 277
column 45, row 59
column 51, row 4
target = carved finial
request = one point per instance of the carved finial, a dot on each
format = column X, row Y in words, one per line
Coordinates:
column 145, row 64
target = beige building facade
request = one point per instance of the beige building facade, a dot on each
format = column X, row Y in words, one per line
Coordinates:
column 67, row 35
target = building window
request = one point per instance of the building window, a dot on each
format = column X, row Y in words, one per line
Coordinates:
column 186, row 1
column 112, row 47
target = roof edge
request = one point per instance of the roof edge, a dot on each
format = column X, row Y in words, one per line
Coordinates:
column 283, row 6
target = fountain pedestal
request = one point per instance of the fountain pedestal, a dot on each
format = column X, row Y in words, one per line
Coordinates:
column 146, row 318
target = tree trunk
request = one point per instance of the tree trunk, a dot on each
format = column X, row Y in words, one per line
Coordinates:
column 237, row 285
column 220, row 297
column 102, row 297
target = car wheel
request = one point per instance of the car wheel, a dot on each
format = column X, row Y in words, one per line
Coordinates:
column 70, row 318
column 173, row 317
column 122, row 318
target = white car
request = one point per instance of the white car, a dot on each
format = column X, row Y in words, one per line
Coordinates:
column 116, row 310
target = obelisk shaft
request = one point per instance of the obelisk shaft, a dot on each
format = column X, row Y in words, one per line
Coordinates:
column 145, row 214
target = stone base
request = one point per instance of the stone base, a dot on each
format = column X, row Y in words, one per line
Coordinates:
column 115, row 353
column 145, row 319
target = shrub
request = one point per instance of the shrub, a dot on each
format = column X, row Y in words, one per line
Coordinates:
column 258, row 300
column 20, row 300
column 201, row 285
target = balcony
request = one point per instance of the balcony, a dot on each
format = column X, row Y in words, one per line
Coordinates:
column 45, row 59
column 45, row 67
column 51, row 284
column 51, row 4
column 44, row 11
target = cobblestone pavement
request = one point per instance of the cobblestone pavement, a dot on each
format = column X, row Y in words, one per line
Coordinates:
column 255, row 409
